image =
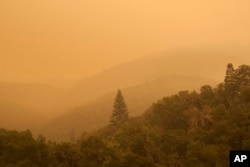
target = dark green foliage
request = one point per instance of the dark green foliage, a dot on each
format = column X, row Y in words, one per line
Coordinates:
column 65, row 154
column 188, row 129
column 21, row 149
column 94, row 152
column 120, row 111
column 245, row 95
column 207, row 95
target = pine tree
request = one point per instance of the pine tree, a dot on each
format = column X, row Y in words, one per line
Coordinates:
column 120, row 112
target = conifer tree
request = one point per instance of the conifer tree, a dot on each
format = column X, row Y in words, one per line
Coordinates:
column 120, row 111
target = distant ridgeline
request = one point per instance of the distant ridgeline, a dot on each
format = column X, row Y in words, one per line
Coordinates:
column 238, row 78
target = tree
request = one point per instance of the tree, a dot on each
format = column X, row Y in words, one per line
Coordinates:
column 206, row 92
column 94, row 152
column 120, row 111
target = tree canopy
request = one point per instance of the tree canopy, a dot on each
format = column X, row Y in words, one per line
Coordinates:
column 188, row 129
column 120, row 111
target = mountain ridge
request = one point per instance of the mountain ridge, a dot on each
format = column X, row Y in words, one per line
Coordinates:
column 94, row 115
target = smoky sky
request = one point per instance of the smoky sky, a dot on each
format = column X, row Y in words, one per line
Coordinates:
column 62, row 41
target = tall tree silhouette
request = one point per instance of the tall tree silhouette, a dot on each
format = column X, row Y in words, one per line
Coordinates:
column 120, row 111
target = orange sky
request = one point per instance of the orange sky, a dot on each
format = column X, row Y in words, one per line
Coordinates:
column 60, row 40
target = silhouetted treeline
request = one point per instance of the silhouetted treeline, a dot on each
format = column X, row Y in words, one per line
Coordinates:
column 188, row 129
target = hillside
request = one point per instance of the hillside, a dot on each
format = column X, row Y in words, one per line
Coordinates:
column 96, row 114
column 187, row 129
column 140, row 75
column 143, row 82
column 36, row 96
column 198, row 62
column 124, row 75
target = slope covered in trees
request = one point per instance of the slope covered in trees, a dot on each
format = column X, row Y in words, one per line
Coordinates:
column 188, row 129
column 178, row 61
column 95, row 115
column 143, row 81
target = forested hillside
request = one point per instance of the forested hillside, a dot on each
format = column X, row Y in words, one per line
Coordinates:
column 194, row 62
column 95, row 115
column 188, row 129
column 144, row 81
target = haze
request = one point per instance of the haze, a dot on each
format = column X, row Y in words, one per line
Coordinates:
column 60, row 42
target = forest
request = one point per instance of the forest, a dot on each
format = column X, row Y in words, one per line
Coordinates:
column 188, row 129
column 124, row 83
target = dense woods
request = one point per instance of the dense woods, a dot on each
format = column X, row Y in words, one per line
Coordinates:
column 188, row 129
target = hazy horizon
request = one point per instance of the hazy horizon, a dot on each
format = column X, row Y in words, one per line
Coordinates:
column 61, row 42
column 124, row 83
